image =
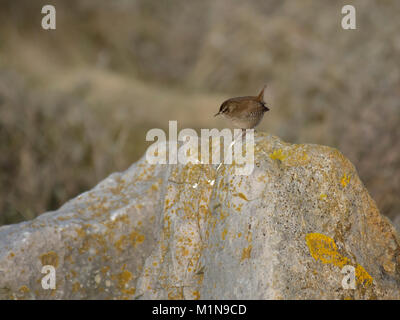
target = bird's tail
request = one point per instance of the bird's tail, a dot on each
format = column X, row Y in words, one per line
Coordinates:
column 260, row 96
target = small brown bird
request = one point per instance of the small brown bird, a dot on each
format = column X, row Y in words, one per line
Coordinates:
column 244, row 112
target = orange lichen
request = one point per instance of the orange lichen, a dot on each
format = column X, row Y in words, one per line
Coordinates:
column 129, row 291
column 24, row 289
column 122, row 278
column 196, row 295
column 136, row 238
column 120, row 243
column 278, row 155
column 63, row 218
column 345, row 180
column 49, row 258
column 122, row 219
column 241, row 195
column 246, row 252
column 80, row 232
column 363, row 277
column 323, row 248
column 105, row 269
column 224, row 234
column 223, row 216
column 76, row 287
column 175, row 293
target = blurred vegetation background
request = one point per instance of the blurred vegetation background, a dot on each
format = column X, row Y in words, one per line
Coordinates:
column 76, row 102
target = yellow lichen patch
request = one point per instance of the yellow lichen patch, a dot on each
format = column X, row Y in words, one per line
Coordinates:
column 24, row 289
column 297, row 156
column 122, row 219
column 304, row 157
column 223, row 235
column 100, row 207
column 121, row 243
column 345, row 180
column 363, row 276
column 182, row 251
column 246, row 253
column 76, row 287
column 278, row 155
column 99, row 242
column 200, row 278
column 136, row 238
column 80, row 232
column 62, row 218
column 105, row 269
column 122, row 278
column 120, row 186
column 196, row 295
column 223, row 216
column 85, row 246
column 322, row 196
column 175, row 293
column 323, row 248
column 11, row 255
column 241, row 195
column 49, row 258
column 129, row 291
column 249, row 236
column 147, row 172
column 95, row 241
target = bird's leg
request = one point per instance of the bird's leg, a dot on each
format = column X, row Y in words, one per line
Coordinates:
column 243, row 134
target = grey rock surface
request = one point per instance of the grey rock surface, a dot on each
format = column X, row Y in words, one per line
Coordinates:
column 191, row 232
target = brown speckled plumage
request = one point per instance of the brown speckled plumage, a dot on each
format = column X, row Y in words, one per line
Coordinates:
column 244, row 112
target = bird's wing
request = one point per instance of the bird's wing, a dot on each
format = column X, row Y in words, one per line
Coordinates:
column 250, row 109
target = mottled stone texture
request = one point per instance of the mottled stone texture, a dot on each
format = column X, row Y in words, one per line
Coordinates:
column 188, row 232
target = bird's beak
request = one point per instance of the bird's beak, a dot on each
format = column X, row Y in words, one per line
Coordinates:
column 216, row 114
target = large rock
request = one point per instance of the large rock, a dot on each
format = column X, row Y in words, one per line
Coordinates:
column 188, row 232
